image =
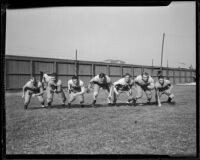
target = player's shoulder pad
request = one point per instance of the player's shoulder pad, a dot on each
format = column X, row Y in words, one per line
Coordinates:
column 81, row 82
column 59, row 82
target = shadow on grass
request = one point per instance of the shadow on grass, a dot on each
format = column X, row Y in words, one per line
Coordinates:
column 102, row 105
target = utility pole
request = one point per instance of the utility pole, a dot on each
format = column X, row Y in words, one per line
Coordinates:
column 162, row 50
column 76, row 65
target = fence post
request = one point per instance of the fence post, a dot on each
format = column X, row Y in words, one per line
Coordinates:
column 31, row 68
column 93, row 70
column 108, row 70
column 5, row 74
column 132, row 71
column 121, row 71
column 55, row 67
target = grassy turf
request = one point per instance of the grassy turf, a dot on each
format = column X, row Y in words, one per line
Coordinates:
column 106, row 129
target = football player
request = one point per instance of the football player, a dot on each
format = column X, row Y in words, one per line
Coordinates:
column 100, row 81
column 123, row 85
column 76, row 88
column 144, row 83
column 33, row 88
column 163, row 86
column 54, row 85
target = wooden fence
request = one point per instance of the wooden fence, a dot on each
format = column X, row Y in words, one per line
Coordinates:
column 19, row 69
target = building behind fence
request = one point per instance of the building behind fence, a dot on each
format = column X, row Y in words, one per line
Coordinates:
column 19, row 69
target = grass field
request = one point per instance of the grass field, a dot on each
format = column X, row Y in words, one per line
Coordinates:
column 106, row 129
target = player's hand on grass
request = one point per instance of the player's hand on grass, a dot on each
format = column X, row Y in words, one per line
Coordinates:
column 33, row 95
column 23, row 96
column 159, row 105
column 87, row 90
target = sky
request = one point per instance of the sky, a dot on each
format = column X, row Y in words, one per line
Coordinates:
column 131, row 34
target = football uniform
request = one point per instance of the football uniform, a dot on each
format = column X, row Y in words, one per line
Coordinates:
column 122, row 85
column 75, row 88
column 141, row 86
column 53, row 85
column 163, row 88
column 30, row 89
column 99, row 84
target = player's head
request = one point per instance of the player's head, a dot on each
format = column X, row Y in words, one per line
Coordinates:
column 102, row 77
column 75, row 79
column 161, row 79
column 54, row 76
column 33, row 79
column 145, row 76
column 41, row 76
column 127, row 77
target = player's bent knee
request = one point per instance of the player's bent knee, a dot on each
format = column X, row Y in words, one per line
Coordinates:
column 96, row 94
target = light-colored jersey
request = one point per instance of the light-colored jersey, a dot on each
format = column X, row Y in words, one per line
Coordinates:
column 29, row 86
column 139, row 81
column 75, row 87
column 96, row 79
column 163, row 87
column 121, row 83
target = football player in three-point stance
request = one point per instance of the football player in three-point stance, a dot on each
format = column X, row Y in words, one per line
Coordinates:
column 76, row 88
column 54, row 85
column 123, row 85
column 144, row 82
column 100, row 81
column 33, row 88
column 163, row 86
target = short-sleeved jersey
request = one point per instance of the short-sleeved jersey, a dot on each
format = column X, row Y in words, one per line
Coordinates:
column 139, row 81
column 33, row 88
column 121, row 84
column 75, row 87
column 163, row 87
column 96, row 80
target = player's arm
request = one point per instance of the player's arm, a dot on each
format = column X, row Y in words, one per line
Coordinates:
column 158, row 96
column 82, row 91
column 115, row 87
column 41, row 90
column 151, row 84
column 111, row 88
column 69, row 87
column 59, row 86
column 23, row 90
column 170, row 86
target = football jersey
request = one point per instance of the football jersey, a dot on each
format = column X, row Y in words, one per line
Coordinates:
column 142, row 83
column 163, row 87
column 33, row 88
column 122, row 84
column 96, row 79
column 48, row 78
column 53, row 84
column 75, row 87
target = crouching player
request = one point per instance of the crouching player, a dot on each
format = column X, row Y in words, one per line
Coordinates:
column 54, row 85
column 33, row 88
column 123, row 85
column 76, row 88
column 163, row 86
column 100, row 81
column 144, row 82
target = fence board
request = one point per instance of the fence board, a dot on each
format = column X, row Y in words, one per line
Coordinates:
column 100, row 69
column 46, row 67
column 85, row 70
column 116, row 71
column 64, row 68
column 18, row 67
column 137, row 71
column 17, row 81
column 127, row 70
